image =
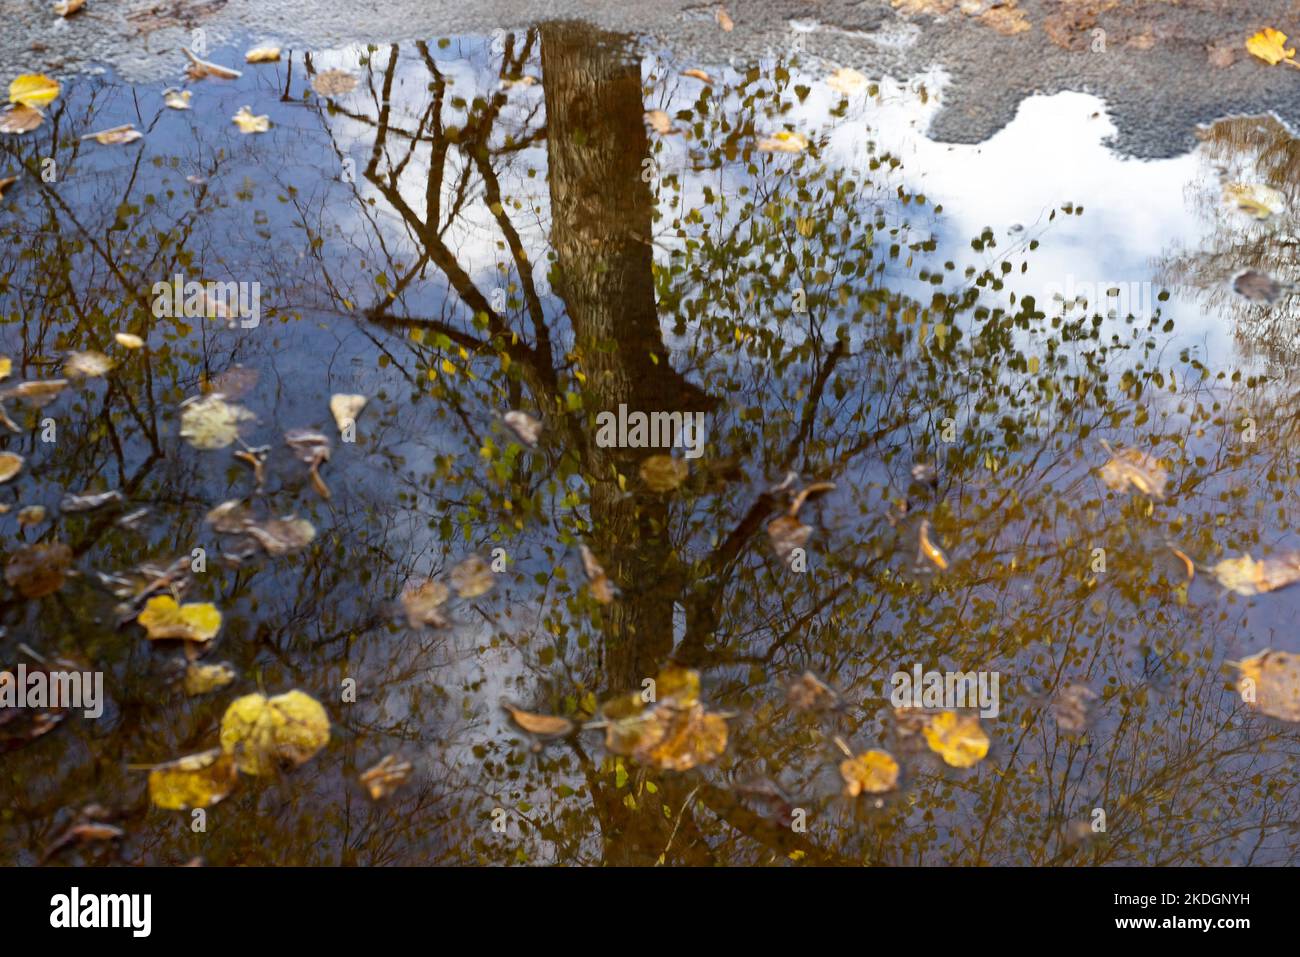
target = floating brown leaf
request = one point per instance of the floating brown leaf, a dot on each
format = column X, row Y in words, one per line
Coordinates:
column 472, row 577
column 385, row 777
column 333, row 82
column 88, row 364
column 21, row 119
column 115, row 135
column 198, row 69
column 210, row 422
column 1256, row 286
column 1071, row 707
column 279, row 536
column 313, row 448
column 177, row 99
column 89, row 501
column 788, row 533
column 546, row 725
column 422, row 601
column 601, row 588
column 10, row 465
column 37, row 392
column 929, row 550
column 1134, row 468
column 1270, row 683
column 525, row 426
column 808, row 692
column 66, row 8
column 663, row 473
column 1245, row 576
column 38, row 570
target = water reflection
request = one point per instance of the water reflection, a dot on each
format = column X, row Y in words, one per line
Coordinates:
column 453, row 241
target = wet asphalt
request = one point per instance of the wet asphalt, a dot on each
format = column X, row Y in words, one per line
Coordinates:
column 1162, row 66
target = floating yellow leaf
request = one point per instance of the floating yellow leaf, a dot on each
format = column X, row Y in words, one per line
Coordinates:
column 6, row 367
column 472, row 577
column 663, row 473
column 930, row 550
column 333, row 82
column 1258, row 200
column 690, row 737
column 1270, row 46
column 210, row 422
column 264, row 733
column 1135, row 468
column 847, row 81
column 872, row 772
column 958, row 739
column 248, row 123
column 1270, row 683
column 385, row 777
column 33, row 89
column 785, row 141
column 345, row 409
column 660, row 121
column 267, row 54
column 200, row 679
column 89, row 364
column 525, row 426
column 197, row 780
column 21, row 119
column 177, row 99
column 115, row 135
column 164, row 618
column 10, row 464
column 546, row 725
column 1245, row 576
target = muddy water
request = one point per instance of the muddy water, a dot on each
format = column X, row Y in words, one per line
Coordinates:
column 454, row 241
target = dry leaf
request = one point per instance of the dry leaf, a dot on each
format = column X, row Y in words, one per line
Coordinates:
column 422, row 601
column 262, row 734
column 177, row 99
column 128, row 341
column 785, row 141
column 689, row 737
column 198, row 69
column 1270, row 683
column 66, row 8
column 248, row 123
column 31, row 515
column 472, row 577
column 279, row 536
column 958, row 739
column 6, row 183
column 724, row 20
column 39, row 392
column 313, row 448
column 33, row 89
column 333, row 82
column 545, row 725
column 385, row 777
column 872, row 772
column 37, row 570
column 116, row 135
column 663, row 473
column 1256, row 286
column 10, row 464
column 345, row 409
column 1270, row 46
column 1132, row 467
column 89, row 501
column 21, row 119
column 196, row 780
column 267, row 54
column 525, row 426
column 698, row 75
column 164, row 618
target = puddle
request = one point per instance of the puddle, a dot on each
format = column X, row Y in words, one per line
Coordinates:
column 493, row 224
